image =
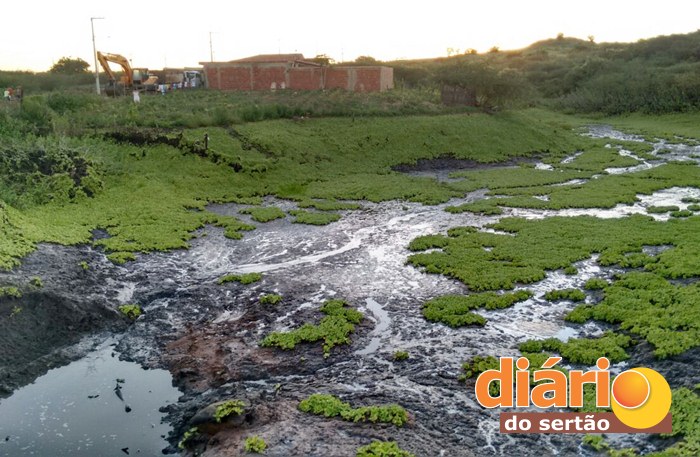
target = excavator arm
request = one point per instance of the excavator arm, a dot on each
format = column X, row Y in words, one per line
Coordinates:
column 105, row 58
column 133, row 78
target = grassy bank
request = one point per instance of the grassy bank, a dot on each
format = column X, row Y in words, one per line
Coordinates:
column 153, row 196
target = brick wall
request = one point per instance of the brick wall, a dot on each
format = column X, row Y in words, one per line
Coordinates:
column 238, row 76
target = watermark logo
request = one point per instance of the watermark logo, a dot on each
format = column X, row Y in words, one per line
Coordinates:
column 640, row 398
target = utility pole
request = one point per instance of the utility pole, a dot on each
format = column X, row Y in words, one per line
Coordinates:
column 211, row 49
column 94, row 53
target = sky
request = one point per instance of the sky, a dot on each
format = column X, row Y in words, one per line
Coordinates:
column 177, row 33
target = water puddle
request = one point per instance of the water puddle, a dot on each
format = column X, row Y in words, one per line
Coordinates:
column 382, row 319
column 81, row 410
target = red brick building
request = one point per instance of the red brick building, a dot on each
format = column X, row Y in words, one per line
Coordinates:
column 291, row 71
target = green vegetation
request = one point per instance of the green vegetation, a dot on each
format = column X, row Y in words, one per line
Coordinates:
column 400, row 356
column 131, row 311
column 595, row 284
column 149, row 191
column 583, row 350
column 255, row 444
column 229, row 408
column 685, row 409
column 270, row 299
column 648, row 305
column 334, row 329
column 16, row 310
column 565, row 294
column 245, row 278
column 661, row 209
column 455, row 310
column 382, row 449
column 331, row 406
column 37, row 282
column 84, row 265
column 681, row 213
column 478, row 365
column 694, row 207
column 187, row 438
column 10, row 291
column 313, row 218
column 264, row 214
column 519, row 256
column 570, row 270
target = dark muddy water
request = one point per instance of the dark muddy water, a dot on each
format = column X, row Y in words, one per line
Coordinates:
column 76, row 410
column 361, row 259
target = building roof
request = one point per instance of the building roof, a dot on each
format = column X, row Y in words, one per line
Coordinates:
column 270, row 58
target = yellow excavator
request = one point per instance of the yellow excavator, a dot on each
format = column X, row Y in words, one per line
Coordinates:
column 132, row 79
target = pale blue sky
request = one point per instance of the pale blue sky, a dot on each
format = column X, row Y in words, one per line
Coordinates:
column 176, row 33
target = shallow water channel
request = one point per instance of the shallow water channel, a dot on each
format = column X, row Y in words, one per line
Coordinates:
column 74, row 410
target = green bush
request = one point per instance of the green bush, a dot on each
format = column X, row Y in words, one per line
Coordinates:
column 264, row 214
column 583, row 350
column 10, row 291
column 270, row 299
column 565, row 294
column 131, row 311
column 314, row 218
column 331, row 406
column 382, row 449
column 255, row 444
column 334, row 329
column 188, row 437
column 401, row 355
column 455, row 310
column 661, row 209
column 245, row 279
column 650, row 306
column 595, row 284
column 229, row 408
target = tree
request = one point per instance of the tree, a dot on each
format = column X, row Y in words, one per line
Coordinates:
column 70, row 66
column 491, row 86
column 323, row 59
column 366, row 60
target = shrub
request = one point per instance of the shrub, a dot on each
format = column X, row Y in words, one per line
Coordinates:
column 255, row 444
column 661, row 209
column 229, row 408
column 583, row 350
column 334, row 329
column 455, row 310
column 595, row 284
column 314, row 218
column 383, row 449
column 570, row 270
column 270, row 299
column 10, row 291
column 246, row 278
column 331, row 406
column 187, row 437
column 131, row 311
column 401, row 355
column 565, row 294
column 264, row 214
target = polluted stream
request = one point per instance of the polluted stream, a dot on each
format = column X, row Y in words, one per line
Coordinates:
column 207, row 335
